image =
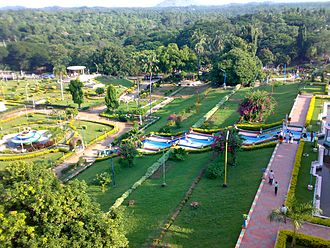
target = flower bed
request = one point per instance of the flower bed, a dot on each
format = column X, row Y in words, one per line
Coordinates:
column 28, row 155
column 310, row 112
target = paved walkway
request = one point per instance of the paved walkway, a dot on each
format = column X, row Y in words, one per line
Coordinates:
column 300, row 109
column 90, row 153
column 260, row 231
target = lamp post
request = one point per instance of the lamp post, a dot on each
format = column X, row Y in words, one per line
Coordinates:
column 224, row 78
column 164, row 171
column 150, row 88
column 113, row 173
column 284, row 73
column 226, row 158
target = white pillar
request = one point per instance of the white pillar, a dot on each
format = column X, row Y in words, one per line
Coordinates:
column 321, row 155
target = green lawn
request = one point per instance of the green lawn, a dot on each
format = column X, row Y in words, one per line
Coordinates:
column 304, row 176
column 228, row 115
column 181, row 104
column 154, row 204
column 123, row 82
column 93, row 130
column 318, row 109
column 311, row 88
column 124, row 177
column 49, row 159
column 218, row 220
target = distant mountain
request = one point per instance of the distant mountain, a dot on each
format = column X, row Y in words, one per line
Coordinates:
column 12, row 8
column 178, row 3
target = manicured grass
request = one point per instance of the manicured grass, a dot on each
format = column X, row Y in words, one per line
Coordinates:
column 304, row 176
column 219, row 219
column 154, row 204
column 181, row 104
column 311, row 88
column 284, row 96
column 124, row 177
column 318, row 109
column 228, row 115
column 123, row 82
column 49, row 159
column 93, row 130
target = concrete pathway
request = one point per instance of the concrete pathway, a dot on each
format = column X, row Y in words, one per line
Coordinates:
column 300, row 109
column 90, row 153
column 260, row 232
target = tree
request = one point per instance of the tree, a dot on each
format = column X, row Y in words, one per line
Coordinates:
column 111, row 99
column 128, row 152
column 99, row 90
column 60, row 71
column 37, row 210
column 104, row 179
column 75, row 88
column 241, row 67
column 298, row 212
column 256, row 106
column 266, row 56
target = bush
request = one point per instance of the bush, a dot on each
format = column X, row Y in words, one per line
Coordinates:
column 310, row 112
column 260, row 146
column 178, row 154
column 213, row 171
column 256, row 127
column 303, row 240
column 28, row 155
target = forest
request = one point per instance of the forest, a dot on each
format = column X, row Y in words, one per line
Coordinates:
column 120, row 42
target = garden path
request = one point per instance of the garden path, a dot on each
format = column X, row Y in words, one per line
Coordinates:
column 260, row 232
column 90, row 153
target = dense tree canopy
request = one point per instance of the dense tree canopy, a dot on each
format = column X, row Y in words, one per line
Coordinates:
column 36, row 210
column 112, row 40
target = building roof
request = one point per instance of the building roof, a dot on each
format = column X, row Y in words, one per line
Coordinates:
column 76, row 68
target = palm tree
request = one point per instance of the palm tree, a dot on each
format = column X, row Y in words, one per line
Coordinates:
column 59, row 71
column 298, row 212
column 199, row 40
column 150, row 66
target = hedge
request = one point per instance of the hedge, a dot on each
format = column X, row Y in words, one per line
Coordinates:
column 310, row 112
column 211, row 112
column 151, row 170
column 28, row 155
column 295, row 172
column 304, row 240
column 256, row 127
column 107, row 157
column 260, row 146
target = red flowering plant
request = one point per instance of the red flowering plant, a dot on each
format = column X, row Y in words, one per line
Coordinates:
column 234, row 144
column 256, row 106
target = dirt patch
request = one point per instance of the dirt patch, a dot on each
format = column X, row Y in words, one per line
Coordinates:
column 159, row 173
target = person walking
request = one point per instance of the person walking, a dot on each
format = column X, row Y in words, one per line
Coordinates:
column 284, row 211
column 271, row 177
column 290, row 138
column 276, row 188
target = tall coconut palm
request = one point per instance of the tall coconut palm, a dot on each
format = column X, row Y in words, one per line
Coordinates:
column 150, row 60
column 199, row 41
column 60, row 71
column 298, row 212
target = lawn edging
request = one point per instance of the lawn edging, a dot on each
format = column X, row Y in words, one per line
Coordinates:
column 302, row 239
column 29, row 155
column 151, row 170
column 211, row 112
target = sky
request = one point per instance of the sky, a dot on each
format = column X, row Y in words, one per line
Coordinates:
column 121, row 3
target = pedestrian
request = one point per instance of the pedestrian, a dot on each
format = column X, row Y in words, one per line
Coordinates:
column 304, row 132
column 271, row 176
column 312, row 135
column 284, row 211
column 276, row 188
column 290, row 137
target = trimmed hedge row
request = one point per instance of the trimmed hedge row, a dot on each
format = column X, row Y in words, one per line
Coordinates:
column 211, row 112
column 304, row 240
column 256, row 127
column 151, row 170
column 310, row 112
column 107, row 157
column 260, row 146
column 29, row 155
column 295, row 172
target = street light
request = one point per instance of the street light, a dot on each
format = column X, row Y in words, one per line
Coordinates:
column 226, row 158
column 224, row 78
column 164, row 171
column 113, row 173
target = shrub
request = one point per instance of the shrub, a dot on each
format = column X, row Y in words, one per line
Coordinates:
column 303, row 240
column 213, row 171
column 103, row 179
column 310, row 112
column 178, row 154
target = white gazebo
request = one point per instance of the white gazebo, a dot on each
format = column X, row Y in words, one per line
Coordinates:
column 76, row 70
